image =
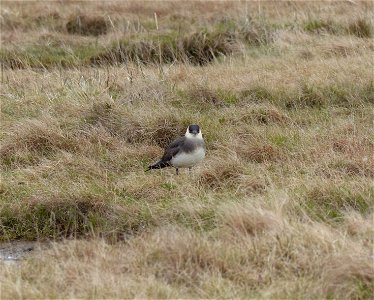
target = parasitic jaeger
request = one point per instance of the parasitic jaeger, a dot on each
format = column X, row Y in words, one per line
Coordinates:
column 185, row 152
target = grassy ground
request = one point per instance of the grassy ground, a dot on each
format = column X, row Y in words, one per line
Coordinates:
column 282, row 207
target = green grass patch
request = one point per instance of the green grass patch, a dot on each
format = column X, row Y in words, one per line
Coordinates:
column 320, row 26
column 201, row 47
column 329, row 203
column 228, row 97
column 360, row 27
column 198, row 48
column 88, row 211
column 46, row 56
column 202, row 219
column 364, row 289
column 257, row 94
column 51, row 219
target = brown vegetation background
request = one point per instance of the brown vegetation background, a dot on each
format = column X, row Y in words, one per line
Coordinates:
column 282, row 206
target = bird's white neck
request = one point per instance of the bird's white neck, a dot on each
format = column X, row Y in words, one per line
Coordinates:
column 189, row 135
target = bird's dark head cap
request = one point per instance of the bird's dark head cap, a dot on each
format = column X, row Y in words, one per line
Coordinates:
column 194, row 129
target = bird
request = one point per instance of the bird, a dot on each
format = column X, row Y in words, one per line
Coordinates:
column 184, row 152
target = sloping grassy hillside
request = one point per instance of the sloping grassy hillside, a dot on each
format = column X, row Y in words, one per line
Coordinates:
column 282, row 206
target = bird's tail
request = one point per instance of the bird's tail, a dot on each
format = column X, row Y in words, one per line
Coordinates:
column 158, row 165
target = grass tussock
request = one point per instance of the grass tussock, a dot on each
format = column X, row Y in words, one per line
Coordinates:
column 243, row 220
column 353, row 167
column 357, row 271
column 229, row 173
column 204, row 96
column 55, row 217
column 197, row 48
column 361, row 28
column 281, row 207
column 267, row 116
column 258, row 151
column 118, row 121
column 221, row 173
column 357, row 225
column 86, row 25
column 33, row 139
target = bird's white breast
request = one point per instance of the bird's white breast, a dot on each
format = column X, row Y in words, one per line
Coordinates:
column 188, row 159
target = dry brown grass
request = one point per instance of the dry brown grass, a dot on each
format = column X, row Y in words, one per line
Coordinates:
column 87, row 25
column 282, row 206
column 173, row 262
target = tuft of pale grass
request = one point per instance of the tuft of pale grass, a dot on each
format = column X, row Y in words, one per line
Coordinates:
column 358, row 225
column 357, row 270
column 221, row 172
column 244, row 219
column 40, row 137
column 258, row 151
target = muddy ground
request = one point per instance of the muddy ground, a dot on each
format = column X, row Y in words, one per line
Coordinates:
column 13, row 252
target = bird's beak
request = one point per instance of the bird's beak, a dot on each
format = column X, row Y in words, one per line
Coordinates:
column 194, row 132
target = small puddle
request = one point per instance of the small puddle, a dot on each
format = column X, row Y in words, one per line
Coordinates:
column 13, row 252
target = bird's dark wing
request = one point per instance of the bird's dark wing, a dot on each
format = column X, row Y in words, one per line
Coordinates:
column 173, row 149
